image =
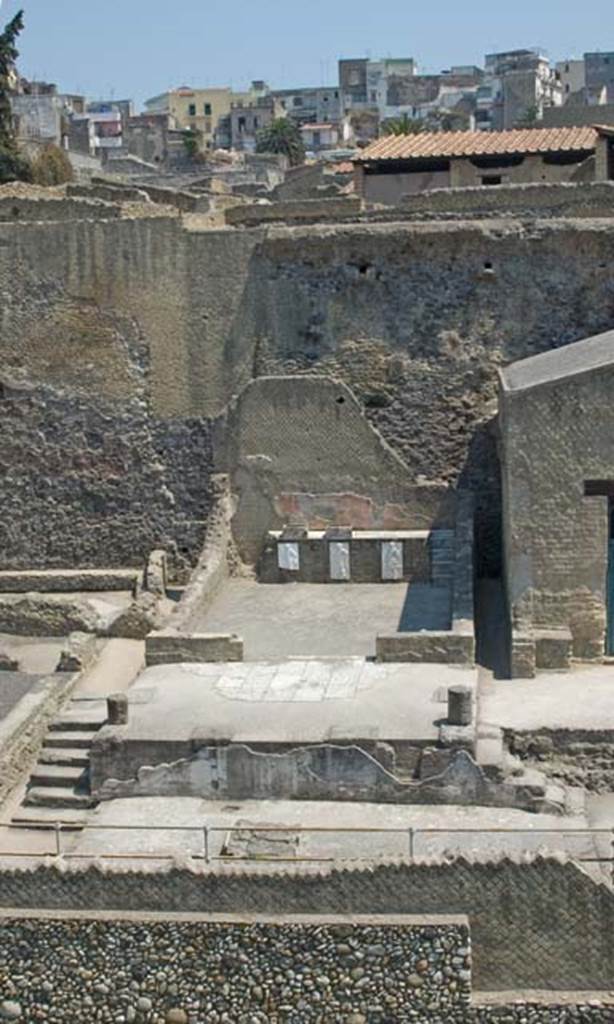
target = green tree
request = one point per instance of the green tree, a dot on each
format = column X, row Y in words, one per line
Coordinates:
column 530, row 117
column 12, row 164
column 52, row 167
column 282, row 136
column 192, row 141
column 403, row 125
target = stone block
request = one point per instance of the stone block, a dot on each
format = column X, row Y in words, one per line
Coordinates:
column 170, row 649
column 434, row 647
column 268, row 569
column 117, row 709
column 523, row 659
column 338, row 533
column 156, row 573
column 417, row 559
column 365, row 562
column 553, row 648
column 294, row 532
column 434, row 762
column 314, row 562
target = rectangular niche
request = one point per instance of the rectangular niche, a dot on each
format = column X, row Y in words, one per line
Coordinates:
column 392, row 560
column 339, row 560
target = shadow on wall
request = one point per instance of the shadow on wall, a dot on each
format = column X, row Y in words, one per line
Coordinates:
column 300, row 449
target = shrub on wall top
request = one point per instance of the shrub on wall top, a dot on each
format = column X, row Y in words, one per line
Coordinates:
column 52, row 167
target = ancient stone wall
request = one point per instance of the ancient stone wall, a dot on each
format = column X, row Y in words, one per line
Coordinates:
column 556, row 437
column 93, row 474
column 417, row 318
column 543, row 199
column 302, row 448
column 121, row 339
column 535, row 924
column 187, row 969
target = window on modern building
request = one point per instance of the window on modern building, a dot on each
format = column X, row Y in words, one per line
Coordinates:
column 192, row 110
column 354, row 78
column 208, row 110
column 373, row 97
column 336, row 95
column 298, row 101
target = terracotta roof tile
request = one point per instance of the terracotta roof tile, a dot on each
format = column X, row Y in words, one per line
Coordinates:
column 442, row 145
column 345, row 167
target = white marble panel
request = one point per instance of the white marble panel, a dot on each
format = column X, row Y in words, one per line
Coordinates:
column 392, row 560
column 288, row 556
column 339, row 560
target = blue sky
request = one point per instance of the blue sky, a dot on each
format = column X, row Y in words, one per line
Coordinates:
column 138, row 48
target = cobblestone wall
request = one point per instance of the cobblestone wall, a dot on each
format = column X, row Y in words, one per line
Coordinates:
column 253, row 972
column 541, row 924
column 185, row 970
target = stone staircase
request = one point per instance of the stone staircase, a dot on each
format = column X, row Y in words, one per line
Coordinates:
column 499, row 765
column 59, row 786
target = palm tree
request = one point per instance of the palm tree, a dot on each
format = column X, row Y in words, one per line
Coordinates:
column 282, row 136
column 403, row 125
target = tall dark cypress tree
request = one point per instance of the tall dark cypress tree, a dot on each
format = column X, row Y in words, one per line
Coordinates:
column 12, row 165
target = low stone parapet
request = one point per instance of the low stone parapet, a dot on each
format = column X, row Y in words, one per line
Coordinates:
column 166, row 648
column 451, row 648
column 46, row 581
column 303, row 211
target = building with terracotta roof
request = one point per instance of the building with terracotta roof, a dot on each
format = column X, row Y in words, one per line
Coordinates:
column 400, row 165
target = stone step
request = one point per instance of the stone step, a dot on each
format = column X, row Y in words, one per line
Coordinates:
column 57, row 796
column 49, row 817
column 76, row 724
column 57, row 775
column 62, row 740
column 73, row 756
column 533, row 781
